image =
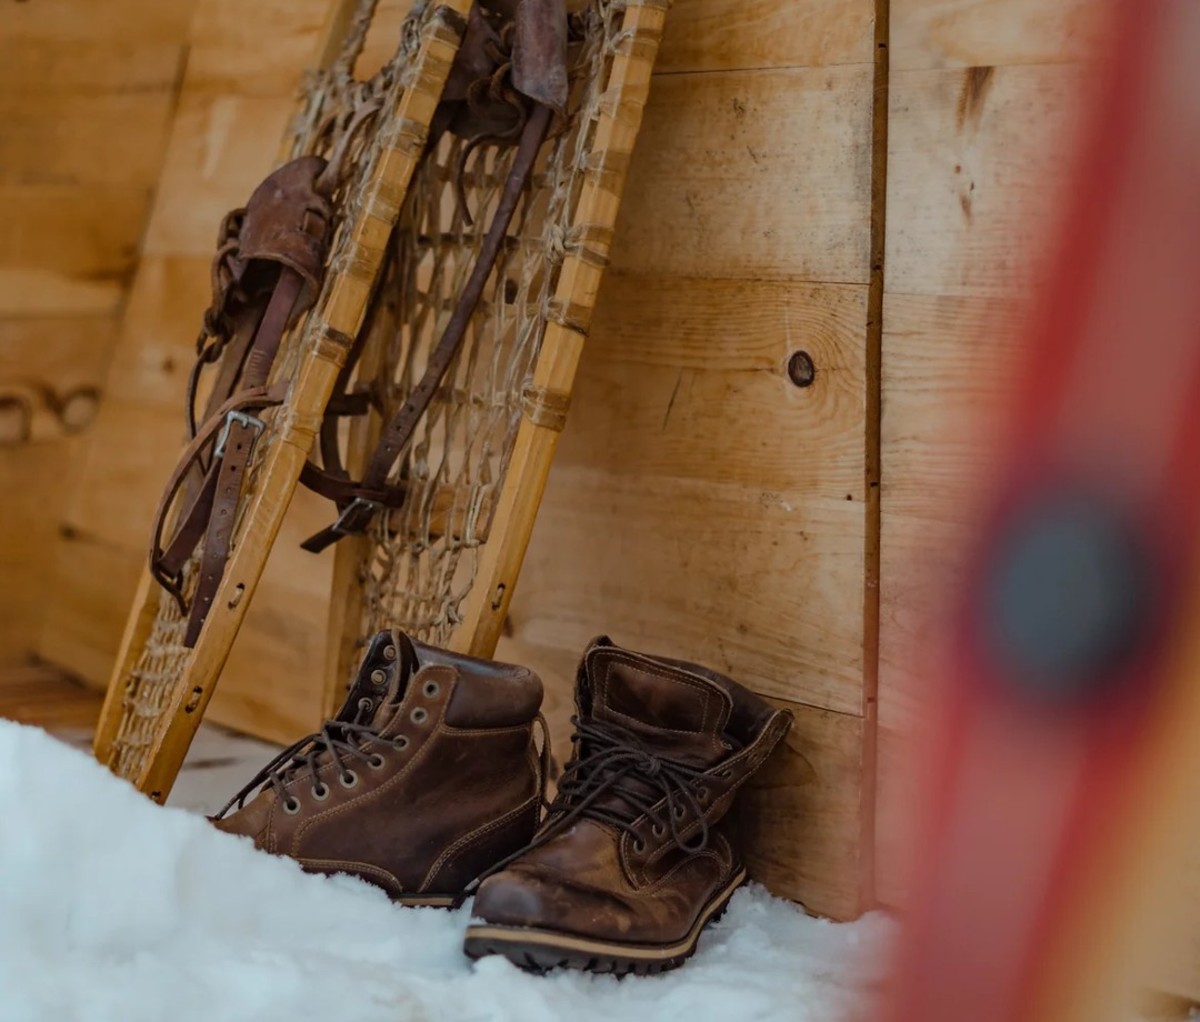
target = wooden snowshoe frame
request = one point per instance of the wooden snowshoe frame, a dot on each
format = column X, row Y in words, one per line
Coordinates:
column 444, row 564
column 160, row 686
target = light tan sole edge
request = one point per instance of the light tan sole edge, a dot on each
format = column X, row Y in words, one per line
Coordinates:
column 542, row 949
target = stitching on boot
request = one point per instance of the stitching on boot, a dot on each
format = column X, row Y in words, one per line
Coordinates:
column 648, row 886
column 387, row 785
column 711, row 705
column 479, row 832
column 356, row 867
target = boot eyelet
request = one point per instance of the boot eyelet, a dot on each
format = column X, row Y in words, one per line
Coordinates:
column 639, row 845
column 658, row 830
column 419, row 715
column 378, row 677
column 702, row 795
column 400, row 743
column 291, row 805
column 376, row 762
column 677, row 812
column 389, row 652
column 365, row 705
column 348, row 780
column 432, row 688
column 321, row 792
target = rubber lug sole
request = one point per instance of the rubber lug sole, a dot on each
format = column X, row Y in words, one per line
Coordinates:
column 538, row 950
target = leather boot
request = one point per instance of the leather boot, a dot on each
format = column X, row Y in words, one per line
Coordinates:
column 632, row 860
column 426, row 778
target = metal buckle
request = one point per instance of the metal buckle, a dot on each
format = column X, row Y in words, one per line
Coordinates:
column 356, row 516
column 249, row 421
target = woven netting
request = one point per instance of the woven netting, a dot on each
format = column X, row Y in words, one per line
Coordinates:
column 341, row 118
column 423, row 557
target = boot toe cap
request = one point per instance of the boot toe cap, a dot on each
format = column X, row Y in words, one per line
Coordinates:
column 522, row 898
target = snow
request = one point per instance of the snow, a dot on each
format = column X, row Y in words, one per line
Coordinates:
column 114, row 908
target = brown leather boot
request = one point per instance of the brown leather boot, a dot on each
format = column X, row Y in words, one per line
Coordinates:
column 426, row 778
column 631, row 863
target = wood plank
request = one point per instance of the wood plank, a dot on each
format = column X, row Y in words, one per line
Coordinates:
column 221, row 147
column 163, row 314
column 976, row 163
column 67, row 250
column 66, row 353
column 763, row 174
column 227, row 52
column 736, row 35
column 688, row 379
column 984, row 33
column 112, row 21
column 800, row 821
column 131, row 453
column 58, row 67
column 94, row 583
column 85, row 139
column 45, row 697
column 33, row 479
column 765, row 585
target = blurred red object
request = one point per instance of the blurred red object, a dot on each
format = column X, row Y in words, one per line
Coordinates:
column 1073, row 729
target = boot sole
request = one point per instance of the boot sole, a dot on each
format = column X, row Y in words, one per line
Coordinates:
column 430, row 900
column 542, row 950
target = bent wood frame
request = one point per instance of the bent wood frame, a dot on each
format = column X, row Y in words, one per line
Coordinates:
column 516, row 507
column 324, row 341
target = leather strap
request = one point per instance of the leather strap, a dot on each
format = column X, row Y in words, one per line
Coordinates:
column 166, row 563
column 262, row 277
column 233, row 455
column 359, row 503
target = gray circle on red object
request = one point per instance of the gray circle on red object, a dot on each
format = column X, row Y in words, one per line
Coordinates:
column 1068, row 596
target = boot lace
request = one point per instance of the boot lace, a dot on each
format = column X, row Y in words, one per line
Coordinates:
column 619, row 762
column 338, row 740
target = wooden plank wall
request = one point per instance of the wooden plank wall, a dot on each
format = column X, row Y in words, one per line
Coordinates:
column 86, row 99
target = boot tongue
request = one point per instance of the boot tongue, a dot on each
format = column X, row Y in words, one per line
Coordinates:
column 382, row 680
column 679, row 715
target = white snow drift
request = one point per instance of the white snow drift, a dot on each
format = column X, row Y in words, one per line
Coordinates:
column 114, row 908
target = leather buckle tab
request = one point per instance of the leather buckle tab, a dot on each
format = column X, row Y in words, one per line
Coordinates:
column 242, row 419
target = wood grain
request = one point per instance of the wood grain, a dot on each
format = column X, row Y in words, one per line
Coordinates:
column 54, row 139
column 751, row 582
column 985, row 33
column 762, row 174
column 45, row 697
column 688, row 379
column 67, row 250
column 739, row 35
column 976, row 161
column 221, row 147
column 800, row 821
column 112, row 22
